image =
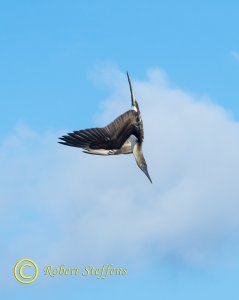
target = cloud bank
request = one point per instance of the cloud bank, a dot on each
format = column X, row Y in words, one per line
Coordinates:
column 59, row 204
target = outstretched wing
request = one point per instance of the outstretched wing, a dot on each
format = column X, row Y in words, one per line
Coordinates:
column 127, row 148
column 113, row 136
column 131, row 91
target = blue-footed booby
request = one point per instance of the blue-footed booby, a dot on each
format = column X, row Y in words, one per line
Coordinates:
column 124, row 135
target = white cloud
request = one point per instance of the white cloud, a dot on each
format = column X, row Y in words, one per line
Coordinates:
column 65, row 205
column 235, row 55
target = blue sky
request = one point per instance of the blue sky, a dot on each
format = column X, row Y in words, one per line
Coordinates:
column 49, row 50
column 62, row 68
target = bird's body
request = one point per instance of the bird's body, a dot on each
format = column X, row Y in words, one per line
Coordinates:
column 124, row 135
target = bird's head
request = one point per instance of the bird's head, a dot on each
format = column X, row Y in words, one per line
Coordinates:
column 144, row 168
column 140, row 160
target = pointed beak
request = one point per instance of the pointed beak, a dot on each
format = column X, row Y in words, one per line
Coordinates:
column 145, row 170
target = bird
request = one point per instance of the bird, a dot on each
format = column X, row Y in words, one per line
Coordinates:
column 125, row 135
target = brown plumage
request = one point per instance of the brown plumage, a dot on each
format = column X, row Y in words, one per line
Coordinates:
column 112, row 136
column 122, row 136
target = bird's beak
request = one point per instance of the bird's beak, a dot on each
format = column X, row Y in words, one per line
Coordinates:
column 145, row 170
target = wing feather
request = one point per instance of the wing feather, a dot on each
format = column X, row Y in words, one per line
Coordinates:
column 113, row 136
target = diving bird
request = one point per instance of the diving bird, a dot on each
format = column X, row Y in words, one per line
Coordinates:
column 124, row 135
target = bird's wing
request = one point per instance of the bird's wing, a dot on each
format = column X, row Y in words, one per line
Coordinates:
column 125, row 149
column 111, row 137
column 131, row 91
